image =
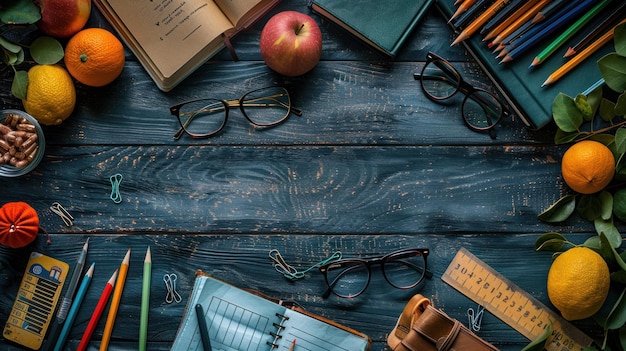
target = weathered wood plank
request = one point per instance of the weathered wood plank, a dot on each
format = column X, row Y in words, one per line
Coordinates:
column 297, row 189
column 243, row 260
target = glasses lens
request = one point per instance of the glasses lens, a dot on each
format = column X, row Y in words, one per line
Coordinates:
column 202, row 116
column 440, row 80
column 267, row 106
column 406, row 269
column 348, row 278
column 482, row 110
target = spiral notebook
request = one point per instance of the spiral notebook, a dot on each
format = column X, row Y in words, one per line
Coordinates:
column 238, row 320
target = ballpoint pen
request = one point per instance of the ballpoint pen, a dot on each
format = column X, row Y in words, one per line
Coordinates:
column 67, row 299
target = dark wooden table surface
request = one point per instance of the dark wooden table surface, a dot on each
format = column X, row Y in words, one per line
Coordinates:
column 370, row 167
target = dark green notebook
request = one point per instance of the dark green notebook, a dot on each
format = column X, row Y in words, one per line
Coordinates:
column 520, row 86
column 384, row 25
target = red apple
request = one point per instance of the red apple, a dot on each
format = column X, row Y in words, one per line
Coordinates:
column 63, row 18
column 291, row 43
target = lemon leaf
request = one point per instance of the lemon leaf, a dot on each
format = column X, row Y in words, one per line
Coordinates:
column 550, row 242
column 589, row 207
column 606, row 110
column 619, row 38
column 46, row 51
column 566, row 114
column 562, row 137
column 606, row 205
column 617, row 316
column 19, row 85
column 539, row 343
column 560, row 210
column 613, row 69
column 619, row 204
column 620, row 140
column 609, row 230
column 620, row 105
column 19, row 12
column 615, row 256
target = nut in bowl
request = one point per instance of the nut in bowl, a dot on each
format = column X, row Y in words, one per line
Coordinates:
column 22, row 143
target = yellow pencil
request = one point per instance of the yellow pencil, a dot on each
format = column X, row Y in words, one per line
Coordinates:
column 115, row 303
column 462, row 8
column 480, row 20
column 574, row 61
column 512, row 18
column 525, row 17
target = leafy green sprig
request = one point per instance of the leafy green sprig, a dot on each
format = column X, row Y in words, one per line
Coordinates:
column 44, row 50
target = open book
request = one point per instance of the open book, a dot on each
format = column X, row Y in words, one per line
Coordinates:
column 172, row 38
column 240, row 321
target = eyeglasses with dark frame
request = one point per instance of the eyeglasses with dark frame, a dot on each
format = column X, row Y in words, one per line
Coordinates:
column 263, row 108
column 481, row 110
column 403, row 269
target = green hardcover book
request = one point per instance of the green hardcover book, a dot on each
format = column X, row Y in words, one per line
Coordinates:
column 384, row 25
column 521, row 86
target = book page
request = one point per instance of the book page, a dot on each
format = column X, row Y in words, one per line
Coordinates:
column 242, row 12
column 171, row 32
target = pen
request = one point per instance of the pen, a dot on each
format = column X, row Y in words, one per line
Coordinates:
column 145, row 301
column 293, row 345
column 66, row 302
column 204, row 330
column 82, row 290
column 97, row 312
column 115, row 303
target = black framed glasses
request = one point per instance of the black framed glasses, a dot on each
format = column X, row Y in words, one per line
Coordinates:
column 263, row 108
column 481, row 110
column 403, row 269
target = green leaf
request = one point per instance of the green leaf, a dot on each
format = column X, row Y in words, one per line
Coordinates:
column 11, row 47
column 619, row 204
column 606, row 205
column 594, row 99
column 617, row 316
column 583, row 106
column 620, row 105
column 562, row 137
column 20, row 12
column 619, row 38
column 560, row 210
column 606, row 110
column 609, row 253
column 565, row 113
column 539, row 343
column 609, row 230
column 613, row 69
column 619, row 276
column 620, row 140
column 593, row 243
column 550, row 242
column 589, row 207
column 19, row 85
column 46, row 51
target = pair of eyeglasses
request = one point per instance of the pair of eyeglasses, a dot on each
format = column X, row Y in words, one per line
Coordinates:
column 263, row 108
column 481, row 110
column 403, row 269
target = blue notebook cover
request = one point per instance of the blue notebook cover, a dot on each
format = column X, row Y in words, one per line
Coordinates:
column 519, row 85
column 384, row 25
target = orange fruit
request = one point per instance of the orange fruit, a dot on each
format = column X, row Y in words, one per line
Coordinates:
column 50, row 94
column 94, row 57
column 578, row 283
column 588, row 166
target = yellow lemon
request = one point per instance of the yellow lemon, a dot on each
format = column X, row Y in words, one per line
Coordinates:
column 578, row 283
column 50, row 95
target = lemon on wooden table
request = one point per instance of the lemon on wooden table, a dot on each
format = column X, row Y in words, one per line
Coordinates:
column 578, row 283
column 588, row 166
column 94, row 56
column 50, row 94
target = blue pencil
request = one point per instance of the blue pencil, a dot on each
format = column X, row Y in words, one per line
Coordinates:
column 71, row 315
column 539, row 33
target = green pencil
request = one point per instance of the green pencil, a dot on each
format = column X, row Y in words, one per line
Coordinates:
column 145, row 301
column 554, row 45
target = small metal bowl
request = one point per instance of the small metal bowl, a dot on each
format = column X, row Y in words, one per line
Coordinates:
column 20, row 158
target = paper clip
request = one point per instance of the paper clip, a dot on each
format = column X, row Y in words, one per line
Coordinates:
column 62, row 212
column 116, row 180
column 170, row 285
column 475, row 317
column 289, row 272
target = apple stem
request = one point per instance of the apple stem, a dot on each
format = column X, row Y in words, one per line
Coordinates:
column 299, row 29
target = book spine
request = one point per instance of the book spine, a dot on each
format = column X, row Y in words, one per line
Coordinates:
column 277, row 334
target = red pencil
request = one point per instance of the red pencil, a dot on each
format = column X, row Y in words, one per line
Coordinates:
column 95, row 316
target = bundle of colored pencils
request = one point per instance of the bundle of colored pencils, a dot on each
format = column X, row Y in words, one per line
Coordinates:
column 516, row 27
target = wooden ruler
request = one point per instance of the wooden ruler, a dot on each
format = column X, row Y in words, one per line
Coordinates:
column 515, row 307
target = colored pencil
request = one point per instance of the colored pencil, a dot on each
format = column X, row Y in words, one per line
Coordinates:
column 467, row 16
column 115, row 303
column 565, row 35
column 551, row 9
column 522, row 21
column 462, row 8
column 481, row 20
column 503, row 15
column 97, row 312
column 607, row 23
column 574, row 61
column 71, row 315
column 293, row 345
column 66, row 301
column 145, row 301
column 509, row 18
column 540, row 32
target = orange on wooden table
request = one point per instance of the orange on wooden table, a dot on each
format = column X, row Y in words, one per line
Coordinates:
column 588, row 166
column 94, row 57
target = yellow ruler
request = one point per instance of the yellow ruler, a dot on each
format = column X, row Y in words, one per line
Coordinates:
column 515, row 307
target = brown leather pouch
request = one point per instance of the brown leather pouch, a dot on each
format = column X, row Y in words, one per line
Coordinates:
column 421, row 327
